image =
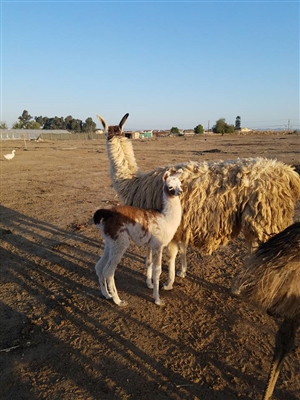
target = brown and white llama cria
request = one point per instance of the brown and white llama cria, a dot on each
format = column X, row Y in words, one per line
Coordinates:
column 252, row 196
column 271, row 280
column 151, row 228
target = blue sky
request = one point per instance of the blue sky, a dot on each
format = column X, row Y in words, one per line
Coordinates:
column 167, row 63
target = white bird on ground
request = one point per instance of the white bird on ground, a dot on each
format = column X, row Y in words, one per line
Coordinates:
column 10, row 156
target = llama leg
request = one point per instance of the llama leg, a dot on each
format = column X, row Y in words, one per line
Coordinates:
column 157, row 258
column 253, row 246
column 173, row 250
column 112, row 289
column 182, row 271
column 251, row 240
column 99, row 271
column 117, row 250
column 149, row 267
column 284, row 343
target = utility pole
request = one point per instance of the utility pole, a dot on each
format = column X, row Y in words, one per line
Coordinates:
column 208, row 126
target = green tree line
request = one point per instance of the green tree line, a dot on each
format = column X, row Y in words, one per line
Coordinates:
column 220, row 127
column 26, row 121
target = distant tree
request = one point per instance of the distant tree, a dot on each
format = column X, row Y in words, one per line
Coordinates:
column 29, row 125
column 3, row 125
column 237, row 126
column 175, row 130
column 54, row 123
column 199, row 129
column 48, row 123
column 69, row 123
column 17, row 125
column 230, row 129
column 89, row 125
column 58, row 123
column 222, row 127
column 24, row 119
column 41, row 120
column 68, row 119
column 76, row 125
column 33, row 125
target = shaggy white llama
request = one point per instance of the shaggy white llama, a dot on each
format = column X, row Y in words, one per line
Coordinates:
column 271, row 280
column 254, row 196
column 154, row 229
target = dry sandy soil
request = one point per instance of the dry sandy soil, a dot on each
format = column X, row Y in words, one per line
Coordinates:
column 61, row 340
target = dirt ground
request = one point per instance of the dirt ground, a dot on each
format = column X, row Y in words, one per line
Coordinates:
column 59, row 339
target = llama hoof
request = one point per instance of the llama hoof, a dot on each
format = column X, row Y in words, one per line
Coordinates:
column 149, row 285
column 235, row 291
column 122, row 303
column 181, row 274
column 168, row 286
column 159, row 302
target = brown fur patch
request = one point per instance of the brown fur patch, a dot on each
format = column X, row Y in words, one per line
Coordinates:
column 120, row 216
column 114, row 131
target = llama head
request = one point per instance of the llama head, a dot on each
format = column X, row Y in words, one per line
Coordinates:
column 172, row 184
column 113, row 130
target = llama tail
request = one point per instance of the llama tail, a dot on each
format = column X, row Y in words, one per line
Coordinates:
column 102, row 214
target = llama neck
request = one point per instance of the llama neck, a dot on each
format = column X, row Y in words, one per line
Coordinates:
column 171, row 208
column 122, row 160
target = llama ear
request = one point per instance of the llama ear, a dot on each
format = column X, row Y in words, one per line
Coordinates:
column 123, row 120
column 103, row 122
column 166, row 175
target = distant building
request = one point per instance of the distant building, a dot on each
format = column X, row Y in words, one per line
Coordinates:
column 246, row 130
column 188, row 132
column 132, row 134
column 146, row 134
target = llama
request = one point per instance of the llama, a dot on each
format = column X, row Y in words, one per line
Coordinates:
column 271, row 280
column 252, row 196
column 151, row 228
